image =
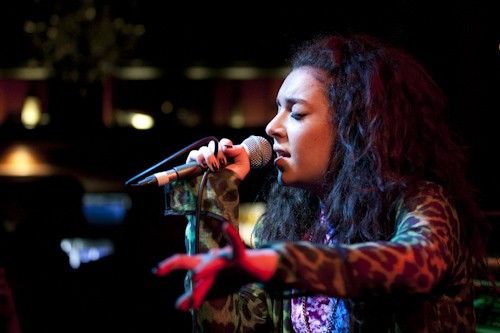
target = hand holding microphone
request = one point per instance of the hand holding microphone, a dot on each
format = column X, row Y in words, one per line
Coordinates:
column 239, row 154
column 253, row 153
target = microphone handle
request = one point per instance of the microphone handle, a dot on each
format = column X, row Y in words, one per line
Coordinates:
column 185, row 171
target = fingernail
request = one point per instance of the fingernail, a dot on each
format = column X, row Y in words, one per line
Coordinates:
column 215, row 167
column 228, row 146
column 222, row 162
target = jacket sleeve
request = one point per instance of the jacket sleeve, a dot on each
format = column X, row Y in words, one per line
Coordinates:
column 246, row 309
column 423, row 251
column 219, row 203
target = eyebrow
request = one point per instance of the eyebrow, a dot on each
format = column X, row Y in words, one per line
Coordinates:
column 291, row 101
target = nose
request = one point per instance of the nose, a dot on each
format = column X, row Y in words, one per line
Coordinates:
column 274, row 128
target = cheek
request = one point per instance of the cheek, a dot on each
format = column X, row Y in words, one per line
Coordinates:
column 319, row 149
column 314, row 146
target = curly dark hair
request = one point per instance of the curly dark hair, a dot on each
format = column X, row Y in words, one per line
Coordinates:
column 390, row 121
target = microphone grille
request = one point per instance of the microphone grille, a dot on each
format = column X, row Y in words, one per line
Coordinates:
column 259, row 151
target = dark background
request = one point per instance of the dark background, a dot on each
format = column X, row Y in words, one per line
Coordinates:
column 457, row 41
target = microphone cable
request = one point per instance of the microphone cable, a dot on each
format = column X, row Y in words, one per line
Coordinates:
column 176, row 155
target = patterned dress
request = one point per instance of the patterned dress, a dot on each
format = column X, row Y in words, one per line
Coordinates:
column 320, row 313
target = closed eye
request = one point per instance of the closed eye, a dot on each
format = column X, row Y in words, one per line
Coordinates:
column 297, row 115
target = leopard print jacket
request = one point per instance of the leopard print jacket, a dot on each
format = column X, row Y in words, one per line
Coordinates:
column 417, row 281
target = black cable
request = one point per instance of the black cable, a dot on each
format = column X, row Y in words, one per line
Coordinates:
column 174, row 156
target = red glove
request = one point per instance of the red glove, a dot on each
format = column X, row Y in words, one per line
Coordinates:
column 237, row 264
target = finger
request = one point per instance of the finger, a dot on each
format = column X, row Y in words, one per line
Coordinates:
column 214, row 146
column 211, row 146
column 211, row 267
column 177, row 262
column 193, row 299
column 196, row 156
column 218, row 153
column 201, row 289
column 209, row 157
column 240, row 160
column 233, row 236
column 184, row 302
column 226, row 143
column 193, row 156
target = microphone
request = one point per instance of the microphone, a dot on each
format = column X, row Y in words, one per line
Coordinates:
column 258, row 149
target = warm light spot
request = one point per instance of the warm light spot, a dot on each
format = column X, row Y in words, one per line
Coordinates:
column 21, row 160
column 31, row 112
column 141, row 121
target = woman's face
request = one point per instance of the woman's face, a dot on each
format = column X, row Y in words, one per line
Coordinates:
column 301, row 130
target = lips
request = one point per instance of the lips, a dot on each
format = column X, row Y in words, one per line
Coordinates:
column 280, row 156
column 280, row 153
